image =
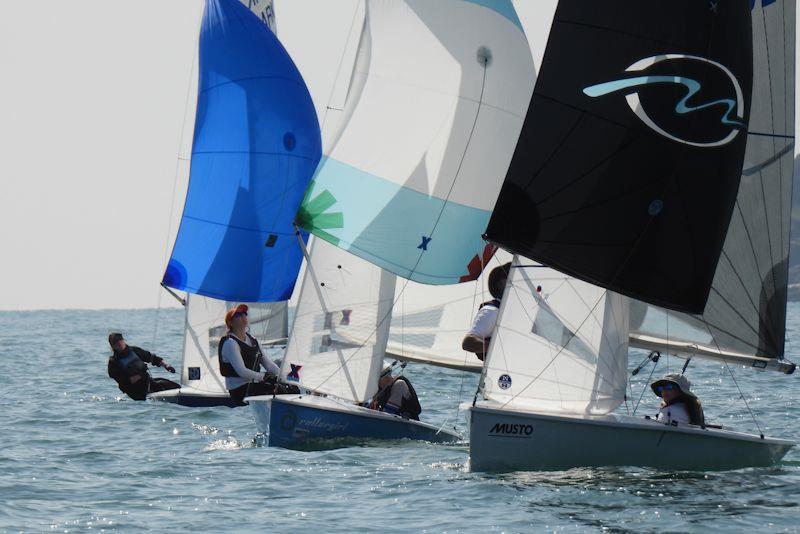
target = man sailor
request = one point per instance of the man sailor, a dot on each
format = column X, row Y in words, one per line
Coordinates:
column 396, row 395
column 128, row 366
column 479, row 335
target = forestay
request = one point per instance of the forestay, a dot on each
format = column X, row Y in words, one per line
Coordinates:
column 341, row 325
column 438, row 94
column 429, row 322
column 628, row 164
column 256, row 145
column 561, row 345
column 205, row 324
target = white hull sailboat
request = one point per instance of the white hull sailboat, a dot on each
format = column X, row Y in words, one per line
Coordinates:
column 417, row 138
column 507, row 440
column 665, row 230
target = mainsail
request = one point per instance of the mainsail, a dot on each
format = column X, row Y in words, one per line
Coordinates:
column 341, row 325
column 745, row 317
column 627, row 168
column 205, row 323
column 435, row 106
column 256, row 145
column 429, row 322
column 561, row 345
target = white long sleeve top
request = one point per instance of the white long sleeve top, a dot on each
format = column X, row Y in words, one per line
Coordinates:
column 233, row 355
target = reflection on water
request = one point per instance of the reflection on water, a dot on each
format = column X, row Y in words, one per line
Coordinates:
column 77, row 455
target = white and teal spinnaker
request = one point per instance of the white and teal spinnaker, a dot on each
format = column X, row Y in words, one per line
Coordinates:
column 256, row 145
column 431, row 119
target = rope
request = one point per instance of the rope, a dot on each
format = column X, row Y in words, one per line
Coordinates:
column 179, row 160
column 744, row 399
column 644, row 387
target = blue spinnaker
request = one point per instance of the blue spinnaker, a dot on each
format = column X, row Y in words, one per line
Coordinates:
column 256, row 145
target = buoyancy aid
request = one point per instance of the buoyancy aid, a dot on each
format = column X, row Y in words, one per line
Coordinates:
column 409, row 407
column 130, row 363
column 251, row 355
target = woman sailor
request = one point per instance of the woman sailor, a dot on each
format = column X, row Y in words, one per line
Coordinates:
column 678, row 403
column 240, row 359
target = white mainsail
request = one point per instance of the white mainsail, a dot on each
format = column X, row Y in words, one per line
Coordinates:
column 429, row 322
column 205, row 323
column 340, row 326
column 560, row 345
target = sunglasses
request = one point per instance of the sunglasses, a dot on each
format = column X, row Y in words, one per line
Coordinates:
column 240, row 313
column 664, row 387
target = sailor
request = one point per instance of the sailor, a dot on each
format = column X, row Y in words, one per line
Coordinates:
column 396, row 395
column 479, row 335
column 240, row 360
column 678, row 403
column 128, row 366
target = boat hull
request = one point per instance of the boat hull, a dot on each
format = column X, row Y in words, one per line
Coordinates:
column 507, row 440
column 306, row 421
column 193, row 398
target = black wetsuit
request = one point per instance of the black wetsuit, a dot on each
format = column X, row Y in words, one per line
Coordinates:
column 122, row 366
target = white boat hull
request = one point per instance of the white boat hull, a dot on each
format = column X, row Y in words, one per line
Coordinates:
column 508, row 440
column 194, row 398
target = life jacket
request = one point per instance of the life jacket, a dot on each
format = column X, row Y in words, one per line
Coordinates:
column 130, row 363
column 693, row 408
column 493, row 302
column 251, row 355
column 409, row 407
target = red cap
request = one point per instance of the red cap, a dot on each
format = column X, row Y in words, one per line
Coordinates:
column 241, row 308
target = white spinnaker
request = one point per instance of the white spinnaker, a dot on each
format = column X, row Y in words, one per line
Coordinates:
column 429, row 322
column 563, row 348
column 205, row 324
column 341, row 325
column 432, row 115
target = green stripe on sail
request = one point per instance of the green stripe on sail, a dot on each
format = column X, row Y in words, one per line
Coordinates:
column 313, row 214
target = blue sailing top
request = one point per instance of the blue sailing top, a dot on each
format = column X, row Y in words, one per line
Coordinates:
column 256, row 144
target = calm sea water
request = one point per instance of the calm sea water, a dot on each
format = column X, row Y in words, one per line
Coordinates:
column 77, row 456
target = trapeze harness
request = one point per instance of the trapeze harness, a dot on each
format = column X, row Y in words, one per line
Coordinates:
column 409, row 407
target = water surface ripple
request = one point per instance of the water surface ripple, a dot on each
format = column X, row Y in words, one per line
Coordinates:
column 77, row 456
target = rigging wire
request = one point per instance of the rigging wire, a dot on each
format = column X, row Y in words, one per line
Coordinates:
column 179, row 160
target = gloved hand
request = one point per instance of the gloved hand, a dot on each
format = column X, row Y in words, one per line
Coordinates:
column 168, row 367
column 269, row 379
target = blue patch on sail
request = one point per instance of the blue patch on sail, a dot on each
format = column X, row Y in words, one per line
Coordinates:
column 256, row 145
column 383, row 222
column 503, row 7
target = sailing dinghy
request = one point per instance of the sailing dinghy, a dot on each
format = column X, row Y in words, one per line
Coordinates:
column 412, row 167
column 255, row 147
column 694, row 277
column 202, row 385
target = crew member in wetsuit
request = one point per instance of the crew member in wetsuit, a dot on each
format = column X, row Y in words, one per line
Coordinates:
column 396, row 395
column 479, row 335
column 128, row 366
column 240, row 361
column 678, row 403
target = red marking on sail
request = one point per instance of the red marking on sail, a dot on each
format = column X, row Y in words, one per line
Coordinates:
column 477, row 263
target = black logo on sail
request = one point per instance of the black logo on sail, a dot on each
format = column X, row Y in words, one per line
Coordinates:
column 511, row 430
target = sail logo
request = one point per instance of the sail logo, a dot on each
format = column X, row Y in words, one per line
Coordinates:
column 511, row 430
column 718, row 126
column 294, row 374
column 504, row 382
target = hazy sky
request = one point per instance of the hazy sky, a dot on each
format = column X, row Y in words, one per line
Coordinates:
column 92, row 106
column 91, row 111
